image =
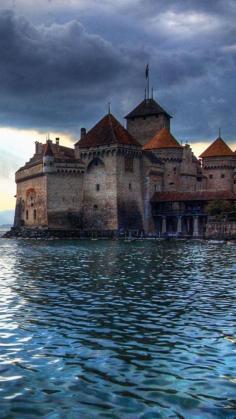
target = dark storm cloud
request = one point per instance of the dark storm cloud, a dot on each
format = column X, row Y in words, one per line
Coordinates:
column 50, row 73
column 61, row 76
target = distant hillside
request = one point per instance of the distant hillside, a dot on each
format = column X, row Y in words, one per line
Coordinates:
column 6, row 217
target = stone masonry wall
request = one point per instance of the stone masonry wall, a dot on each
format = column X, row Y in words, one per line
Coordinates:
column 32, row 195
column 221, row 230
column 144, row 128
column 219, row 172
column 152, row 177
column 129, row 194
column 100, row 193
column 64, row 201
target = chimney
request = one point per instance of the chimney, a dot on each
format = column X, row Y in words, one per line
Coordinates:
column 57, row 140
column 82, row 133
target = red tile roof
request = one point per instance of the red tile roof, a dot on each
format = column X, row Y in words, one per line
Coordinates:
column 217, row 149
column 163, row 139
column 106, row 132
column 192, row 196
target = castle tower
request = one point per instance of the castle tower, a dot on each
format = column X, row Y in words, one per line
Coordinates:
column 146, row 120
column 219, row 163
column 170, row 152
column 113, row 185
column 48, row 158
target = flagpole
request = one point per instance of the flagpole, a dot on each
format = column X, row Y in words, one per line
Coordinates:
column 147, row 78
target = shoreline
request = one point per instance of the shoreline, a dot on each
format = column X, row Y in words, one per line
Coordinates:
column 63, row 235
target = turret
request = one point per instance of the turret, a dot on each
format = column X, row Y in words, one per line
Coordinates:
column 170, row 152
column 48, row 158
column 219, row 163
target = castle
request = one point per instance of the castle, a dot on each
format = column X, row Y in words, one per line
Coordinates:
column 117, row 180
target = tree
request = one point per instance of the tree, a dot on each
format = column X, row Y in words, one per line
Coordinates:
column 220, row 209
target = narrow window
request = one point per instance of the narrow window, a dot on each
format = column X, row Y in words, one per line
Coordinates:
column 222, row 175
column 129, row 163
column 27, row 214
column 97, row 187
column 211, row 176
column 130, row 186
column 95, row 207
column 35, row 214
column 174, row 170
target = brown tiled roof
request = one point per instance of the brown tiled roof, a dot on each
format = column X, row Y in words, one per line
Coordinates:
column 163, row 139
column 217, row 149
column 106, row 132
column 192, row 196
column 147, row 107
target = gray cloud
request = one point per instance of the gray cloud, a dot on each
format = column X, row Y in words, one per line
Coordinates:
column 61, row 75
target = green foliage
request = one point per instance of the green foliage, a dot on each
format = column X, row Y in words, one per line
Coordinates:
column 221, row 210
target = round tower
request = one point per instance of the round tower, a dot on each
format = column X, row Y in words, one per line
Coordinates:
column 219, row 164
column 48, row 158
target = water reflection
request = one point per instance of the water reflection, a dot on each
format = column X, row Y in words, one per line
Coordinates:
column 114, row 329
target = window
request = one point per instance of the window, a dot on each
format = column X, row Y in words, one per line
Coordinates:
column 129, row 162
column 156, row 188
column 27, row 214
column 199, row 179
column 222, row 176
column 95, row 207
column 35, row 214
column 130, row 186
column 210, row 176
column 174, row 170
column 97, row 187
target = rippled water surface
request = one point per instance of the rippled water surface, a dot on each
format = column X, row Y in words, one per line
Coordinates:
column 108, row 329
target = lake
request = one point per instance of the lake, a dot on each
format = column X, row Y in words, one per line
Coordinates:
column 114, row 329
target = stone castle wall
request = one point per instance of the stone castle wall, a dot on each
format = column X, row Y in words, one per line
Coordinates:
column 32, row 197
column 100, row 193
column 144, row 128
column 219, row 172
column 129, row 192
column 221, row 230
column 65, row 199
column 152, row 178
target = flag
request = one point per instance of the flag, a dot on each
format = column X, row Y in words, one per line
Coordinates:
column 147, row 71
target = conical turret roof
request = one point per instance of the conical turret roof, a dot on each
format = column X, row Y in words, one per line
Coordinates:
column 106, row 132
column 48, row 150
column 217, row 149
column 163, row 139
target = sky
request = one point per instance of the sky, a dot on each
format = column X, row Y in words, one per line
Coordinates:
column 62, row 61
